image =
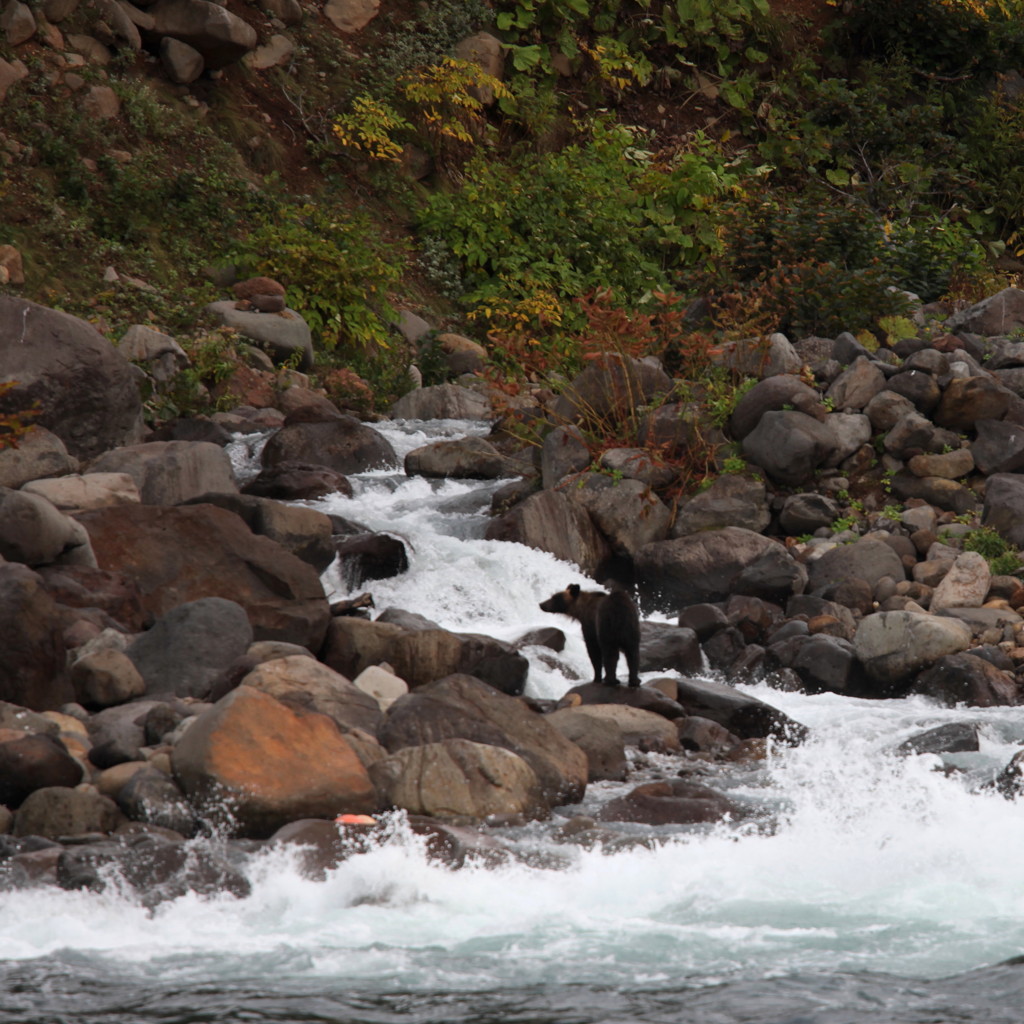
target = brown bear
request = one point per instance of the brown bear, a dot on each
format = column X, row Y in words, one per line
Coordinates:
column 610, row 624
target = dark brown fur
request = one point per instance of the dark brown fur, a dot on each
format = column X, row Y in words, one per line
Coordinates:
column 610, row 624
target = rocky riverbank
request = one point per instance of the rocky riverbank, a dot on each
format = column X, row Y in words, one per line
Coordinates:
column 172, row 666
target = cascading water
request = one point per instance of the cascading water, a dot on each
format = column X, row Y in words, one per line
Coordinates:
column 883, row 890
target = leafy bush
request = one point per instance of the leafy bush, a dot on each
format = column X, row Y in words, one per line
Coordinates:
column 938, row 37
column 1002, row 558
column 566, row 223
column 336, row 268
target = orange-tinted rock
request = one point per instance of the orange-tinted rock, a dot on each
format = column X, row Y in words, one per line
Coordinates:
column 261, row 764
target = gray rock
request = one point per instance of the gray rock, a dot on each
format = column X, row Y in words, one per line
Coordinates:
column 40, row 453
column 457, row 779
column 172, row 472
column 442, row 401
column 284, row 333
column 342, row 444
column 220, row 36
column 895, row 646
column 1001, row 313
column 712, row 565
column 35, row 533
column 188, row 648
column 33, row 669
column 1004, row 498
column 998, row 447
column 56, row 811
column 87, row 391
column 789, row 446
column 774, row 394
column 600, row 739
column 563, row 453
column 854, row 388
column 868, row 559
column 967, row 400
column 463, row 458
column 627, row 512
column 952, row 738
column 106, row 677
column 552, row 521
column 183, row 63
column 731, row 500
column 966, row 679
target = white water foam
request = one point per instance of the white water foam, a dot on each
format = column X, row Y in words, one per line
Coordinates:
column 877, row 863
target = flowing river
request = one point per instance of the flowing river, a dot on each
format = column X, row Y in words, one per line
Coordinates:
column 886, row 891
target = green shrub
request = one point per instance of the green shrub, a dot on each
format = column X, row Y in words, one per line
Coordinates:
column 1001, row 556
column 566, row 223
column 336, row 268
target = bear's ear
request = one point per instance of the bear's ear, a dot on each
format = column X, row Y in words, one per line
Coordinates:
column 574, row 589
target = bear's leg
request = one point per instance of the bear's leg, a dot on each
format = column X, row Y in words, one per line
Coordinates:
column 611, row 661
column 632, row 653
column 594, row 650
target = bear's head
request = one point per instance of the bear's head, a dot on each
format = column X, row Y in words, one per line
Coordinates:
column 562, row 601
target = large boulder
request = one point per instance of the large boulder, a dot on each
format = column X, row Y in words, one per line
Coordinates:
column 966, row 584
column 669, row 802
column 34, row 532
column 731, row 500
column 84, row 586
column 461, row 707
column 187, row 649
column 218, row 35
column 170, row 472
column 998, row 446
column 552, row 521
column 421, row 656
column 458, row 779
column 1002, row 313
column 777, row 393
column 714, row 564
column 75, row 492
column 31, row 761
column 869, row 558
column 304, row 682
column 967, row 679
column 611, row 389
column 664, row 647
column 627, row 512
column 462, row 458
column 305, row 532
column 966, row 400
column 59, row 811
column 283, row 334
column 181, row 554
column 637, row 728
column 743, row 715
column 789, row 446
column 33, row 668
column 256, row 764
column 894, row 646
column 86, row 392
column 599, row 738
column 1004, row 498
column 442, row 402
column 40, row 453
column 342, row 444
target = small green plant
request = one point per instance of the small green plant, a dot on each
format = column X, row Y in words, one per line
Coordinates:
column 843, row 523
column 892, row 512
column 1002, row 557
column 734, row 464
